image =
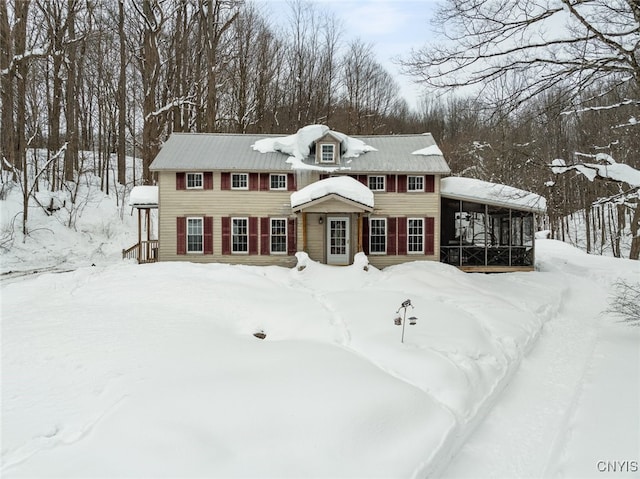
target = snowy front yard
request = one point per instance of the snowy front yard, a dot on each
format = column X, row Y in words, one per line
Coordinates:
column 153, row 370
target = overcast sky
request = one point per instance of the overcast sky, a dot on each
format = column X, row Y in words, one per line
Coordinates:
column 392, row 26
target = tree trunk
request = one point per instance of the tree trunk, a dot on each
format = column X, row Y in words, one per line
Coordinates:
column 122, row 113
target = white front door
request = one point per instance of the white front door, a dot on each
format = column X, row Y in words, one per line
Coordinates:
column 338, row 240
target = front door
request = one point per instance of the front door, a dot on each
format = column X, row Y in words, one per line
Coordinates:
column 338, row 240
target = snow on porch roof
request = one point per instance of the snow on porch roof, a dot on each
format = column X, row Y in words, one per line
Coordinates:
column 144, row 196
column 479, row 191
column 344, row 186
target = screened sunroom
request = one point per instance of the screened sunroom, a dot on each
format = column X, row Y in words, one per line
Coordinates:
column 487, row 227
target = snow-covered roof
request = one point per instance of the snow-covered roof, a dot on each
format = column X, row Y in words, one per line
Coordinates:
column 144, row 196
column 343, row 186
column 471, row 189
column 277, row 153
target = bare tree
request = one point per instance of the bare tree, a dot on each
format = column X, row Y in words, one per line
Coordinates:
column 572, row 44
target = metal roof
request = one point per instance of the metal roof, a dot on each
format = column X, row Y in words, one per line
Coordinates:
column 214, row 151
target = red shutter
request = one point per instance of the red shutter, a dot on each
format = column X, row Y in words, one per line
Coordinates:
column 208, row 235
column 265, row 235
column 365, row 235
column 264, row 181
column 225, row 181
column 402, row 235
column 363, row 179
column 292, row 236
column 253, row 232
column 226, row 235
column 207, row 180
column 253, row 181
column 391, row 236
column 324, row 176
column 291, row 182
column 429, row 184
column 402, row 183
column 181, row 183
column 391, row 183
column 181, row 231
column 429, row 236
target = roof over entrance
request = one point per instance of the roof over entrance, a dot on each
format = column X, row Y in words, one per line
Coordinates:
column 478, row 191
column 340, row 187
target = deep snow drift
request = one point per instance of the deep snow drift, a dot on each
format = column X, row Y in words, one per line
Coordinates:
column 120, row 369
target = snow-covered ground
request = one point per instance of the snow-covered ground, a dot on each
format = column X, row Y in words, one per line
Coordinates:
column 120, row 369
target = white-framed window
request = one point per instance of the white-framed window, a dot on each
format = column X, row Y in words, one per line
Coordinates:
column 327, row 153
column 415, row 235
column 415, row 183
column 277, row 182
column 278, row 235
column 377, row 183
column 378, row 235
column 195, row 239
column 239, row 235
column 239, row 181
column 194, row 181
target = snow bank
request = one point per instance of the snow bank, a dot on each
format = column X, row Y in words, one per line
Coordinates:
column 135, row 379
column 482, row 191
column 344, row 186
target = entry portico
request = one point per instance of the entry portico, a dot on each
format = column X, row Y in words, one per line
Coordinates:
column 333, row 212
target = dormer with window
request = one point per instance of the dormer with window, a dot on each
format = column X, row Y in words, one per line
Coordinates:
column 327, row 150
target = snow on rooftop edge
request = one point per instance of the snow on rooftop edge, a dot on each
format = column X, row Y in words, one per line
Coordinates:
column 298, row 145
column 344, row 186
column 144, row 196
column 429, row 151
column 472, row 189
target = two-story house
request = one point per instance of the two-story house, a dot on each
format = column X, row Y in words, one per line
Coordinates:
column 258, row 199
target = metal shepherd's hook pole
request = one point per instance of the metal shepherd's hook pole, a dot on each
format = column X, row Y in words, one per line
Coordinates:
column 404, row 306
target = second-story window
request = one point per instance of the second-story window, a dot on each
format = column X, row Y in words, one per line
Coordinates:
column 327, row 153
column 239, row 181
column 415, row 183
column 376, row 183
column 194, row 181
column 277, row 182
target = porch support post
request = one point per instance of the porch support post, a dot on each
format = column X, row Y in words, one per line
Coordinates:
column 304, row 231
column 139, row 235
column 360, row 233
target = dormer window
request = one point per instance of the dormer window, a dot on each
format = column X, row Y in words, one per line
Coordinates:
column 327, row 153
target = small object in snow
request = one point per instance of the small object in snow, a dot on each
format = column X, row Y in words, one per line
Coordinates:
column 413, row 320
column 260, row 335
column 397, row 321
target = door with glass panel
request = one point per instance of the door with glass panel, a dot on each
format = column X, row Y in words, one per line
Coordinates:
column 338, row 240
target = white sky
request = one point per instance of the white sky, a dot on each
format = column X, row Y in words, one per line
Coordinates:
column 392, row 26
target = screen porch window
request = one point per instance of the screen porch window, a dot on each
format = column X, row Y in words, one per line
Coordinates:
column 194, row 181
column 327, row 153
column 378, row 236
column 415, row 183
column 195, row 241
column 278, row 182
column 240, row 181
column 415, row 235
column 278, row 235
column 376, row 183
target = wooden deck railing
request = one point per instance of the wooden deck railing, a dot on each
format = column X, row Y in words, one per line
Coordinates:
column 144, row 252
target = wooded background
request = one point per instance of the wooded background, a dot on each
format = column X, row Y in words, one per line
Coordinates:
column 116, row 77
